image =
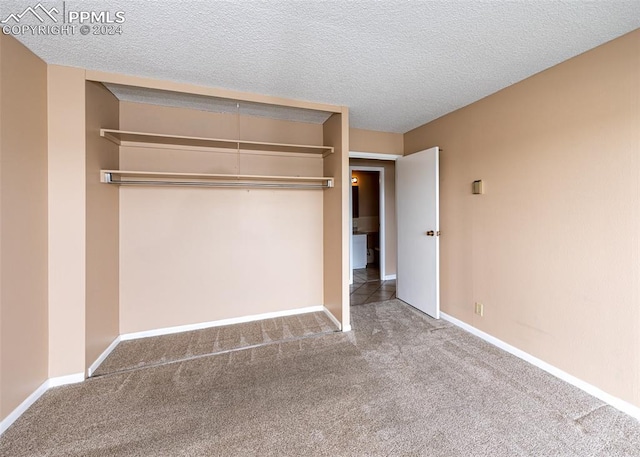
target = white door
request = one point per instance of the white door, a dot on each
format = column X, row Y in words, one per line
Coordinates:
column 417, row 194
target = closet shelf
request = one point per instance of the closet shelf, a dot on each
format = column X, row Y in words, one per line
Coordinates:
column 158, row 178
column 123, row 137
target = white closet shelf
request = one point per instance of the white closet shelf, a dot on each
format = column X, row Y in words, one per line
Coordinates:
column 123, row 137
column 161, row 178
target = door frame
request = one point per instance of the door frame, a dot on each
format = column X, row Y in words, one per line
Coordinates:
column 381, row 217
column 370, row 156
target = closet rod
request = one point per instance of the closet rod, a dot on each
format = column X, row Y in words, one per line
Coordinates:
column 219, row 184
column 108, row 179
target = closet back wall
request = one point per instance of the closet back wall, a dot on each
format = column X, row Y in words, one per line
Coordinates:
column 191, row 255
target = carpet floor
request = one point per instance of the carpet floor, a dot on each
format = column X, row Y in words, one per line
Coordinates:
column 145, row 352
column 400, row 384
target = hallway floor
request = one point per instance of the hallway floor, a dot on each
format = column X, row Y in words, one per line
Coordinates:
column 368, row 288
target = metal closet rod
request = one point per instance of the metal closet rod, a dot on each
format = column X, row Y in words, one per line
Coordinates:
column 220, row 184
column 245, row 184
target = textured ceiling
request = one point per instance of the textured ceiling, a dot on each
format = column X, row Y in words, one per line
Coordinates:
column 396, row 64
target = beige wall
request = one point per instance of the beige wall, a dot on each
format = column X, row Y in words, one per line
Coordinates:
column 551, row 249
column 361, row 140
column 66, row 104
column 389, row 208
column 196, row 255
column 336, row 219
column 23, row 223
column 102, row 227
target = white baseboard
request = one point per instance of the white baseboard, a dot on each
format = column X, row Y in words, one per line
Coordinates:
column 617, row 403
column 389, row 277
column 94, row 366
column 334, row 319
column 234, row 320
column 31, row 399
column 22, row 407
column 64, row 380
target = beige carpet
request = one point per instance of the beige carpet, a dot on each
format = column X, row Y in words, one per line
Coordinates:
column 400, row 384
column 157, row 350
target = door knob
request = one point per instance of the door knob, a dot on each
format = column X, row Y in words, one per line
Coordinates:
column 431, row 233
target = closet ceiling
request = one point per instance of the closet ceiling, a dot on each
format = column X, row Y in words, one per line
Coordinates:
column 396, row 64
column 215, row 104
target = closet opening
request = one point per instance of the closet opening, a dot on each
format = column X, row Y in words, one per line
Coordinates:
column 191, row 191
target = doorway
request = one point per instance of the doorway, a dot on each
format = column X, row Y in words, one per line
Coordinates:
column 367, row 216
